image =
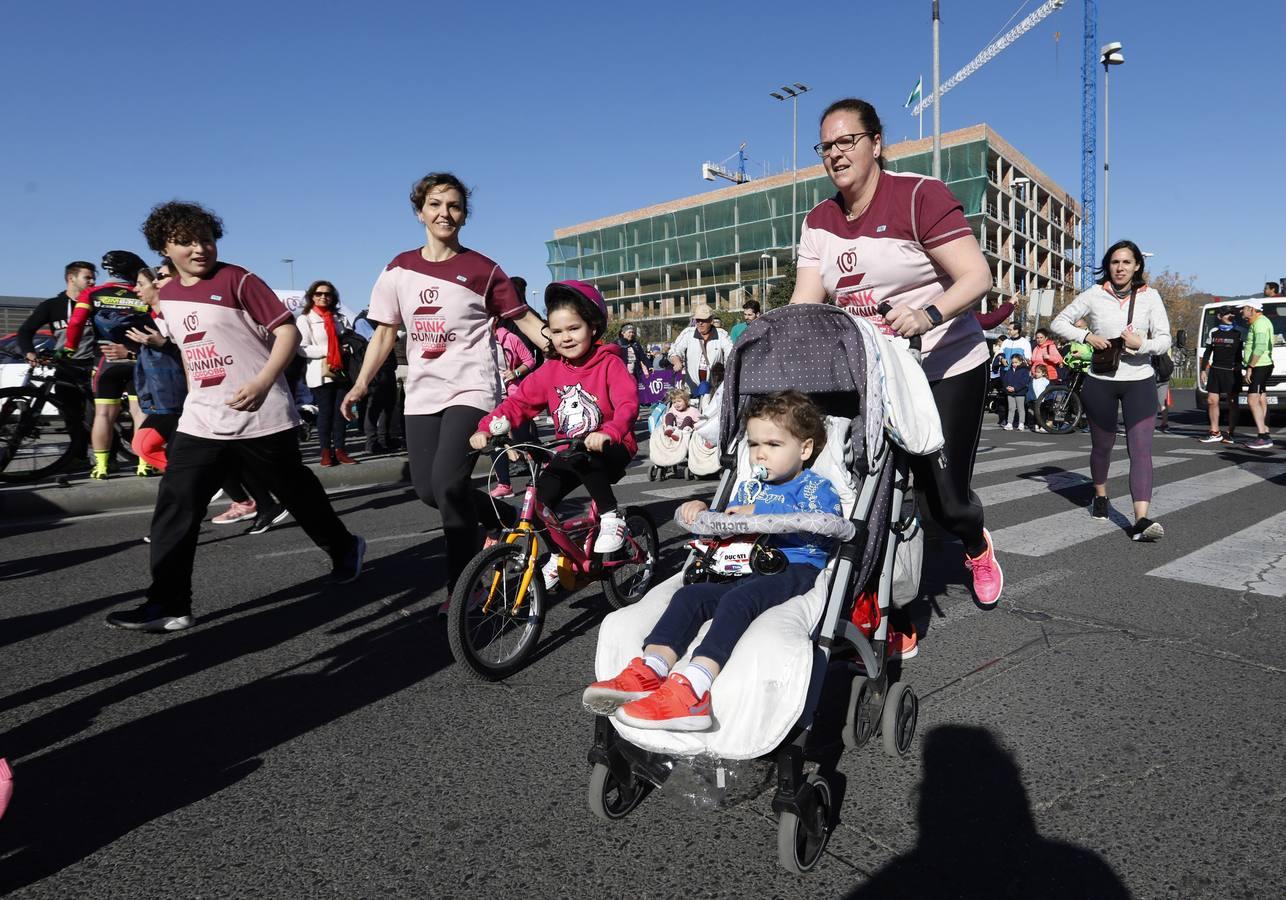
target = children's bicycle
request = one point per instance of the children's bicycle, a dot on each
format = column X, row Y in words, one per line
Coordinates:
column 497, row 610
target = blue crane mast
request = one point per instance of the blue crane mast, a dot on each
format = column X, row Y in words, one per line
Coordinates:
column 1089, row 144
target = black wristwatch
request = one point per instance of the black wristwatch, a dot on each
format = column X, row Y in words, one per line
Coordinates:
column 935, row 316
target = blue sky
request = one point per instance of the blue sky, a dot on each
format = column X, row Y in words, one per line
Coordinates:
column 304, row 124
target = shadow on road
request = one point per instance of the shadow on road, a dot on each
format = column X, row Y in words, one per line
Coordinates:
column 978, row 838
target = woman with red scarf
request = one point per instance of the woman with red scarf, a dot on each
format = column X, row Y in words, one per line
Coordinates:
column 319, row 330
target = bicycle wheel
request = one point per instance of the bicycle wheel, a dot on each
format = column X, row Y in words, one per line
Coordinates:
column 628, row 582
column 1058, row 410
column 38, row 436
column 492, row 627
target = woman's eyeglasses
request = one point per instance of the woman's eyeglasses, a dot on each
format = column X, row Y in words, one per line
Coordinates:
column 844, row 143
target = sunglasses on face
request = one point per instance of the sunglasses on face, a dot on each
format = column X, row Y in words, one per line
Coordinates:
column 322, row 294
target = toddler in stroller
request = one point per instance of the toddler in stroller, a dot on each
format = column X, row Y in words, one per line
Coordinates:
column 800, row 680
column 784, row 433
column 670, row 435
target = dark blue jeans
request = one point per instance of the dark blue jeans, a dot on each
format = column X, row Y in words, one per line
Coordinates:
column 733, row 605
column 331, row 423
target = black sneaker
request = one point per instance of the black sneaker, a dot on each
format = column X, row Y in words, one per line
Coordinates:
column 150, row 617
column 1147, row 531
column 349, row 566
column 1100, row 508
column 268, row 518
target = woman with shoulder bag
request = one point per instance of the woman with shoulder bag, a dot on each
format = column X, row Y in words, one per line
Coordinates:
column 1127, row 326
column 320, row 330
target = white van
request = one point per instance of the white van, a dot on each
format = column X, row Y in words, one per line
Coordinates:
column 1275, row 309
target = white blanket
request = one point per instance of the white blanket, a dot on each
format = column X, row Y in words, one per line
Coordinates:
column 761, row 692
column 664, row 450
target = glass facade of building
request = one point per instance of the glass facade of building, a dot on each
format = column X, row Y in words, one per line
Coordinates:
column 731, row 248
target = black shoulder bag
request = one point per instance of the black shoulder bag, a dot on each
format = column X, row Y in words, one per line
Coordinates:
column 1107, row 361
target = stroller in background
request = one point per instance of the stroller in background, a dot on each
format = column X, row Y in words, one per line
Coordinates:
column 805, row 681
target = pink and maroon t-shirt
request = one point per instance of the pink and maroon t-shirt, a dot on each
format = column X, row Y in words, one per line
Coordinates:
column 882, row 255
column 446, row 308
column 223, row 326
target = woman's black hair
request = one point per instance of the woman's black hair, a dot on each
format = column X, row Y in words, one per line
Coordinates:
column 559, row 296
column 1104, row 272
column 308, row 296
column 864, row 111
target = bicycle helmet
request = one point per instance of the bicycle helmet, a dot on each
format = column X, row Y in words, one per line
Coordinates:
column 123, row 265
column 579, row 292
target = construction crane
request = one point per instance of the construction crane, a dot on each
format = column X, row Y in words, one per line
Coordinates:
column 989, row 52
column 710, row 171
column 1089, row 143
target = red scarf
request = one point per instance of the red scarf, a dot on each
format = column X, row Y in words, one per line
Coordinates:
column 334, row 358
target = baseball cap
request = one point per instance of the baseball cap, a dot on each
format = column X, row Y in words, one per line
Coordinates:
column 1253, row 304
column 702, row 312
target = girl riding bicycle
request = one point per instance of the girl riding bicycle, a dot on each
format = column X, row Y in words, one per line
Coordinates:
column 592, row 396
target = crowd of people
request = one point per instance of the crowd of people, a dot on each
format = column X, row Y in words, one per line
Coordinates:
column 204, row 350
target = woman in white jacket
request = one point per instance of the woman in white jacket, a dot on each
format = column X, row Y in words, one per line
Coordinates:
column 1132, row 385
column 319, row 332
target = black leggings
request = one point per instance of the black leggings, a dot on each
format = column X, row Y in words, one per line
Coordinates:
column 597, row 471
column 944, row 477
column 1138, row 401
column 441, row 461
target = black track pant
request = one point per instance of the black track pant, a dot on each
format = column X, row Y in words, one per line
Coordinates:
column 1138, row 403
column 198, row 466
column 597, row 471
column 944, row 477
column 441, row 461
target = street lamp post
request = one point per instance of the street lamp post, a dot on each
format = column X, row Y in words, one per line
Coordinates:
column 937, row 99
column 291, row 263
column 793, row 93
column 764, row 259
column 1110, row 55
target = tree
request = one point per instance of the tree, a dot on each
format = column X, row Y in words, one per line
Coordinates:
column 781, row 291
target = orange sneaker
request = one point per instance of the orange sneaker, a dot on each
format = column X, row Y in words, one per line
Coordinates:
column 674, row 706
column 902, row 646
column 636, row 681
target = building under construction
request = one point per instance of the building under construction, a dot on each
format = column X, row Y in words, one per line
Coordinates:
column 723, row 247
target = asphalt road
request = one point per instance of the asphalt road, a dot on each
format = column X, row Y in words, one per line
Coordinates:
column 1115, row 723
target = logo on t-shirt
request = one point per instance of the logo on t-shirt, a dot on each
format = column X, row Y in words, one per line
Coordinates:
column 206, row 366
column 847, row 261
column 578, row 412
column 429, row 327
column 859, row 301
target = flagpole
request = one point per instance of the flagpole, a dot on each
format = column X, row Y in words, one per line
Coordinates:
column 920, row 115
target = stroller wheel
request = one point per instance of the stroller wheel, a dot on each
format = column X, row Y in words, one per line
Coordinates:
column 897, row 722
column 800, row 841
column 861, row 724
column 653, row 473
column 611, row 799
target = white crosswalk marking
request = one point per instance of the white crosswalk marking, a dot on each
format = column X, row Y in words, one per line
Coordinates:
column 1249, row 560
column 1031, row 459
column 1035, row 485
column 1043, row 536
column 689, row 490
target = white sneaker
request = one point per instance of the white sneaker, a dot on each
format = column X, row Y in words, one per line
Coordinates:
column 549, row 572
column 1007, row 427
column 611, row 533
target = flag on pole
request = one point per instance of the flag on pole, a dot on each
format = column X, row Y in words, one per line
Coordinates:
column 915, row 94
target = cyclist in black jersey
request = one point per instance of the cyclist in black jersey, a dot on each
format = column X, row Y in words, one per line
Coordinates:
column 1221, row 364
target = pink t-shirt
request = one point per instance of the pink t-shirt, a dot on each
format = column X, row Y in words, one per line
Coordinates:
column 446, row 308
column 223, row 325
column 882, row 255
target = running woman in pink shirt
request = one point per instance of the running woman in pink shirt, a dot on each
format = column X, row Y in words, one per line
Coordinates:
column 591, row 395
column 445, row 295
column 236, row 338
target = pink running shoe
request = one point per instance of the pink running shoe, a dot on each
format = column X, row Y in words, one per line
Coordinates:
column 988, row 580
column 6, row 786
column 237, row 512
column 500, row 491
column 635, row 682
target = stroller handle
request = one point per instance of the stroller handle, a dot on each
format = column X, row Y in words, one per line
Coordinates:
column 724, row 524
column 884, row 309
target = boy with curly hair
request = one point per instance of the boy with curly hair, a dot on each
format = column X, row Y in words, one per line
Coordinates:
column 236, row 337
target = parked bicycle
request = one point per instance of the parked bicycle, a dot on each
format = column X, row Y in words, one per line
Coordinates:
column 45, row 423
column 1060, row 409
column 498, row 608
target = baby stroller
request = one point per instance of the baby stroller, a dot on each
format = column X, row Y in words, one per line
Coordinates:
column 703, row 458
column 804, row 682
column 668, row 455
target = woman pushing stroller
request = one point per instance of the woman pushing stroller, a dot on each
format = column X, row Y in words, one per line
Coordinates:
column 785, row 433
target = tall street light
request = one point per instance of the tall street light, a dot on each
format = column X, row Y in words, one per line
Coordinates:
column 937, row 99
column 291, row 263
column 764, row 259
column 793, row 93
column 1110, row 55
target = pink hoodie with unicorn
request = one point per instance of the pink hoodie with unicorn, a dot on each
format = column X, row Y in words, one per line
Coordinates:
column 599, row 394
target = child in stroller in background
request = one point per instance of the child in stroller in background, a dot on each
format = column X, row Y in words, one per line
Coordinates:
column 671, row 434
column 785, row 432
column 682, row 415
